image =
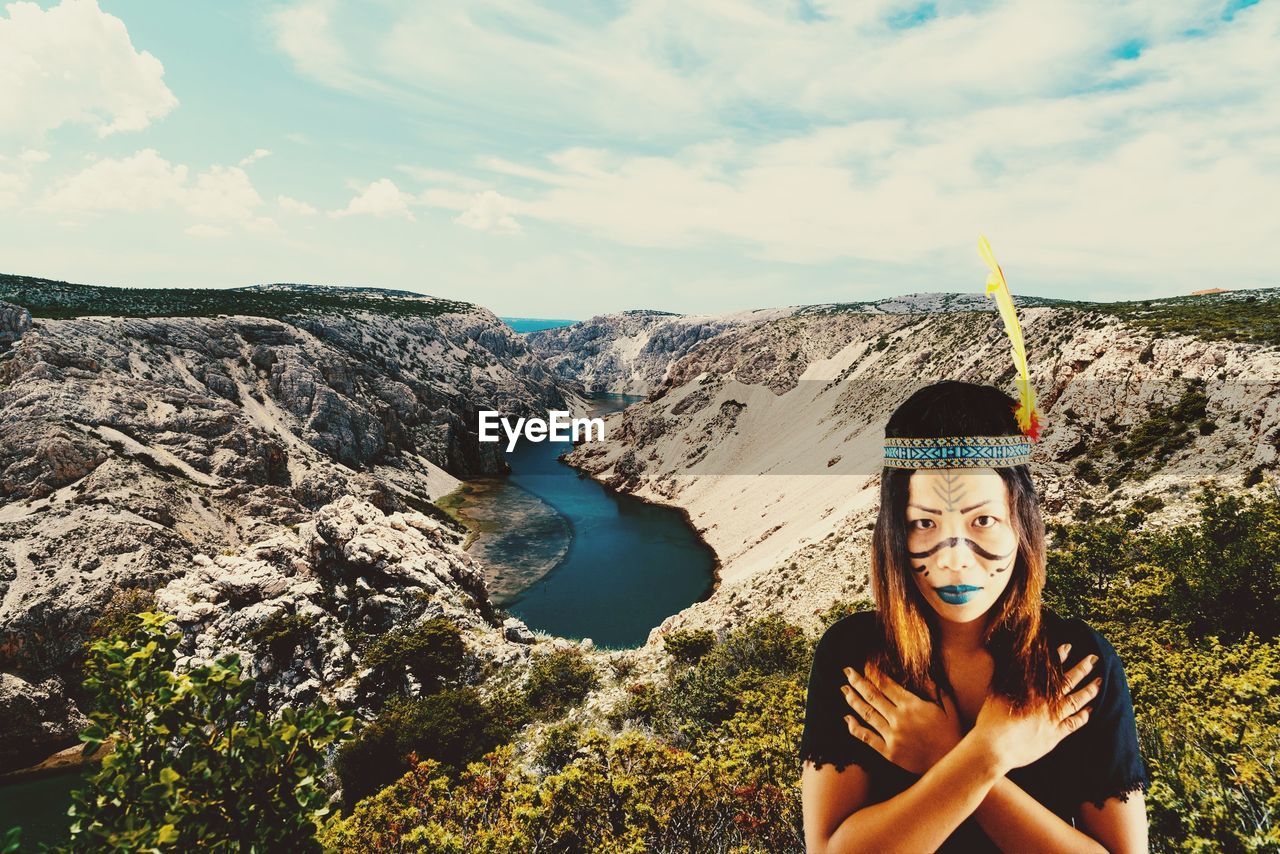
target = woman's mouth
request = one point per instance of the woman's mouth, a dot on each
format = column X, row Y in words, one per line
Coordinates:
column 956, row 594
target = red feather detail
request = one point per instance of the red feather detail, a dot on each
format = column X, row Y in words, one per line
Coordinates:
column 1034, row 430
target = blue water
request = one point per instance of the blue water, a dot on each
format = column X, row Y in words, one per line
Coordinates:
column 533, row 324
column 629, row 564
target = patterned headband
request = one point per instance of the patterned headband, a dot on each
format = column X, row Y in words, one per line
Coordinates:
column 957, row 452
column 979, row 451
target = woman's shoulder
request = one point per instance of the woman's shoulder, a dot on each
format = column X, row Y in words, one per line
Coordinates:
column 1084, row 638
column 853, row 633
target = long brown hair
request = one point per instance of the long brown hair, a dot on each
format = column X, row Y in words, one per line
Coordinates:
column 1026, row 669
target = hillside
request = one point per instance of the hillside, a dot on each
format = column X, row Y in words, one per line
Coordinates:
column 245, row 471
column 769, row 436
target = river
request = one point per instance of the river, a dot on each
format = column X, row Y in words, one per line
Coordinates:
column 574, row 559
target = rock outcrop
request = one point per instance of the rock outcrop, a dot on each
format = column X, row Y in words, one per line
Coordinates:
column 630, row 352
column 242, row 462
column 770, row 436
column 14, row 323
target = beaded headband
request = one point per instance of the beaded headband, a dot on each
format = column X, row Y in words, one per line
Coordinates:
column 980, row 451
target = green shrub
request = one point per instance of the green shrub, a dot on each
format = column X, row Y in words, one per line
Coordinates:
column 431, row 651
column 640, row 705
column 629, row 793
column 1086, row 471
column 453, row 726
column 707, row 694
column 559, row 680
column 281, row 633
column 558, row 747
column 688, row 645
column 190, row 760
column 1179, row 606
column 117, row 616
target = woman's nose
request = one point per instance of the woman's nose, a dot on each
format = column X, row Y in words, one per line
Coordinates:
column 955, row 554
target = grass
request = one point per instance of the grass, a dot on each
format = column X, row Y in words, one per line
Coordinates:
column 54, row 300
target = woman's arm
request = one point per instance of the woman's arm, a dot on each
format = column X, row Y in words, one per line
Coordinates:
column 1119, row 825
column 1015, row 821
column 917, row 819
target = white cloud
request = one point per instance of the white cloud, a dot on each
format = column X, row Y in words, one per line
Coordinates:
column 258, row 154
column 293, row 206
column 643, row 70
column 1165, row 175
column 145, row 181
column 205, row 231
column 223, row 192
column 32, row 155
column 489, row 211
column 381, row 198
column 304, row 32
column 74, row 63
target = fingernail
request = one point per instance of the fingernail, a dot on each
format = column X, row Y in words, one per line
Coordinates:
column 1066, row 647
column 848, row 672
column 1093, row 659
column 1098, row 681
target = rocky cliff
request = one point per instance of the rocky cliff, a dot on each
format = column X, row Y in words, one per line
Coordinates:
column 770, row 435
column 630, row 352
column 240, row 468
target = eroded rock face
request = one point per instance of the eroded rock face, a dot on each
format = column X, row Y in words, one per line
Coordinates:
column 349, row 571
column 251, row 468
column 34, row 715
column 14, row 323
column 631, row 352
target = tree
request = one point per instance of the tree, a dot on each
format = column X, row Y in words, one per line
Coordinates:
column 191, row 764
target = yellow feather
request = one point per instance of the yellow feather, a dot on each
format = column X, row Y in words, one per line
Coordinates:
column 999, row 290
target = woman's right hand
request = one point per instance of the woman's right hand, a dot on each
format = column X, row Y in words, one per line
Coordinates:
column 1018, row 738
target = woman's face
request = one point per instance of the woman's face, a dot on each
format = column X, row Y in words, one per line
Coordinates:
column 961, row 544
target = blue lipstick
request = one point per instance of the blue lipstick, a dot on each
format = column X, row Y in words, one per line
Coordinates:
column 956, row 594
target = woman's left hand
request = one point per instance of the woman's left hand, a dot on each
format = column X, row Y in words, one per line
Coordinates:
column 911, row 732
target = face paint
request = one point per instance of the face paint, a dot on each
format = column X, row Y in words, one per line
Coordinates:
column 960, row 538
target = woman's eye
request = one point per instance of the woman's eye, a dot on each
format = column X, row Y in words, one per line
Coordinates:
column 920, row 524
column 992, row 523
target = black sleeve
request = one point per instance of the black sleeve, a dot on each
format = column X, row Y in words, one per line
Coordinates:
column 826, row 737
column 1112, row 765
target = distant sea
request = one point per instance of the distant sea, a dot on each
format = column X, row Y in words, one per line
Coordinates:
column 533, row 324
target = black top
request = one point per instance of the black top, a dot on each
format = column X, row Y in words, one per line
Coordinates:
column 1097, row 762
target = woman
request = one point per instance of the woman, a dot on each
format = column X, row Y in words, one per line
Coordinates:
column 961, row 715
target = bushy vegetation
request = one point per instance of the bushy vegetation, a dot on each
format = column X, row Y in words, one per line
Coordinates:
column 705, row 757
column 1152, row 441
column 716, row 740
column 191, row 765
column 61, row 300
column 1246, row 317
column 281, row 633
column 630, row 792
column 1194, row 613
column 559, row 680
column 688, row 646
column 699, row 698
column 454, row 727
column 430, row 652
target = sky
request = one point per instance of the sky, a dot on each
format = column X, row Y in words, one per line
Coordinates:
column 553, row 159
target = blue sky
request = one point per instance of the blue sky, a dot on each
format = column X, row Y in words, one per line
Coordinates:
column 562, row 160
